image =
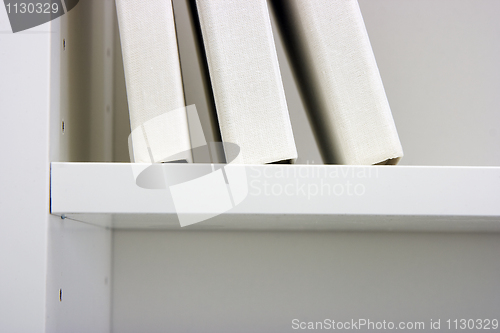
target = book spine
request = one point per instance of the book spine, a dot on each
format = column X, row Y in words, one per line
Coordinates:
column 332, row 56
column 246, row 80
column 153, row 81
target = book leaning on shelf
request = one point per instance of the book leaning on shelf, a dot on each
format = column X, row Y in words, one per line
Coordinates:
column 333, row 60
column 246, row 80
column 153, row 81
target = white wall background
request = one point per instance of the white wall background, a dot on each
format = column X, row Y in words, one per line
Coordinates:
column 439, row 64
column 261, row 281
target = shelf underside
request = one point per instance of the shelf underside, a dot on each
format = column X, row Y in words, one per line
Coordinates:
column 277, row 197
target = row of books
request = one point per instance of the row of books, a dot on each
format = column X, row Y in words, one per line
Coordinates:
column 332, row 58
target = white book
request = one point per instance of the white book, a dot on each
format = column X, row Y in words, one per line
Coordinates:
column 335, row 65
column 153, row 81
column 246, row 80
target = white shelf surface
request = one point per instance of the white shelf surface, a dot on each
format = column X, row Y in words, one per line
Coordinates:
column 293, row 197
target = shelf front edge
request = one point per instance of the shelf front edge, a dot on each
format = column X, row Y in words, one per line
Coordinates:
column 300, row 194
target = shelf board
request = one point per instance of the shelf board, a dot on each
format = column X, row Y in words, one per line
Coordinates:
column 268, row 197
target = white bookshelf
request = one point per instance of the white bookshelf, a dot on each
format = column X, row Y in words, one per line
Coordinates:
column 84, row 248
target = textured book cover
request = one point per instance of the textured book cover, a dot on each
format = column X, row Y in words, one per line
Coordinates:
column 334, row 63
column 153, row 80
column 246, row 80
